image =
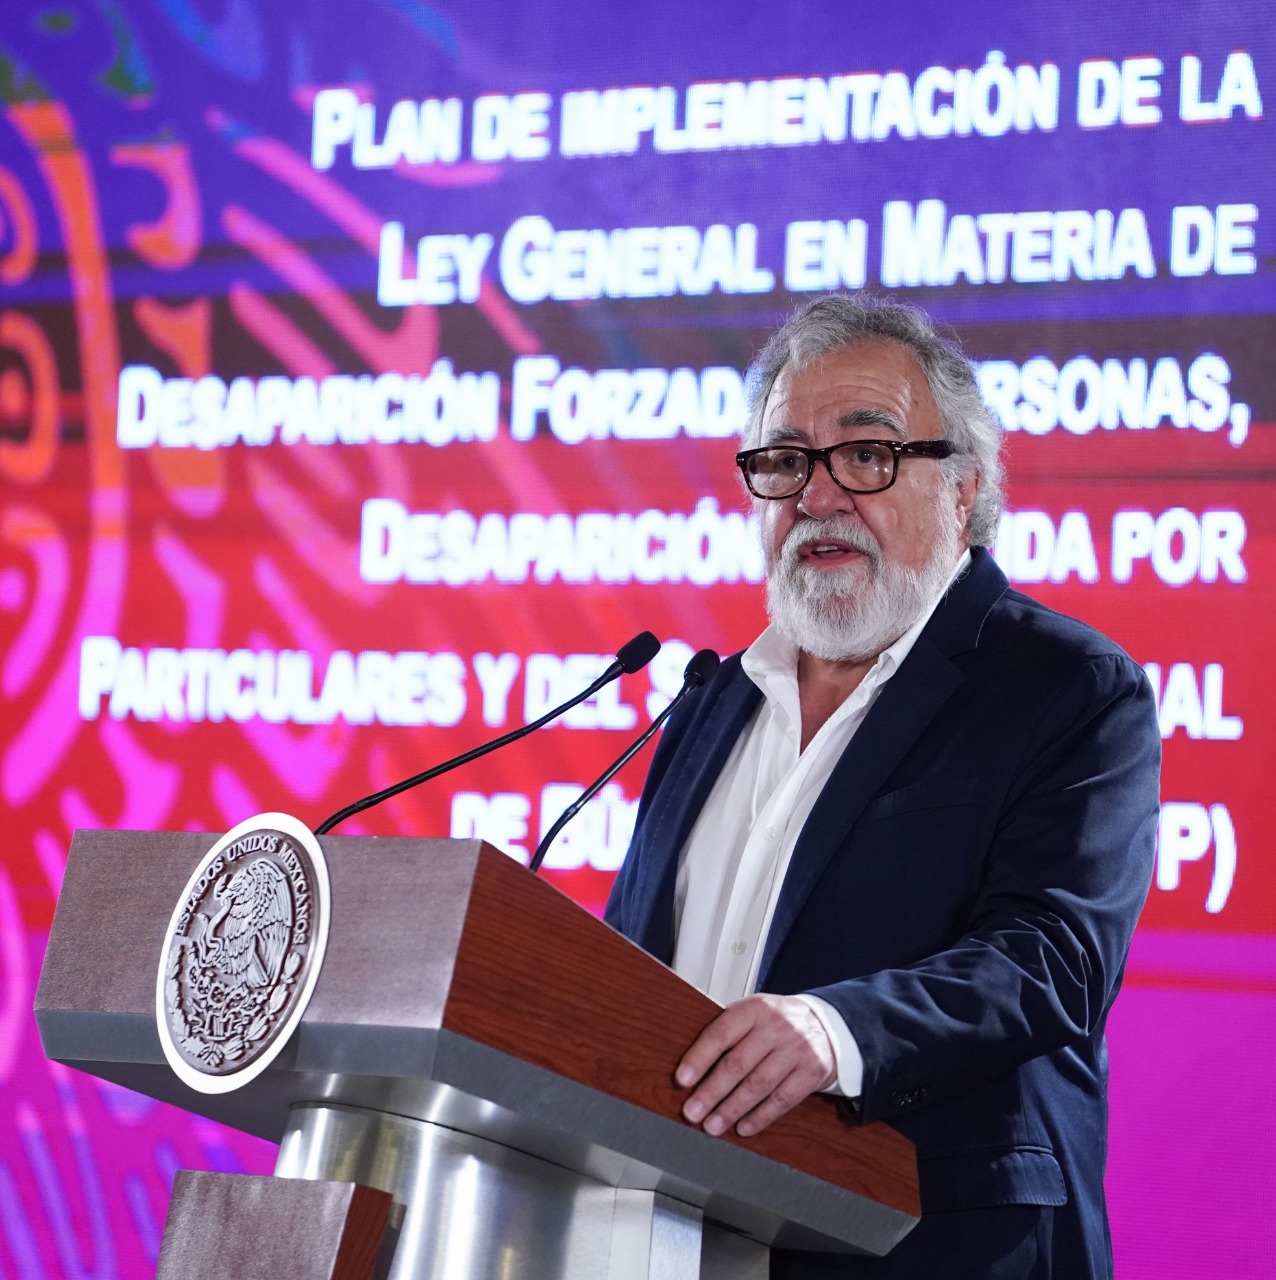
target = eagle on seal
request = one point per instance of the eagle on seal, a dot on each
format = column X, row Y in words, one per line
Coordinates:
column 245, row 941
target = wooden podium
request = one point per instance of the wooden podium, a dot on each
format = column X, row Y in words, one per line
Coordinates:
column 489, row 1054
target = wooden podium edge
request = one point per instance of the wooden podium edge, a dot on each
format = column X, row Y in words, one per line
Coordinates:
column 540, row 978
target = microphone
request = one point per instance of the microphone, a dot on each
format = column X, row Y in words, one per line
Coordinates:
column 630, row 657
column 700, row 670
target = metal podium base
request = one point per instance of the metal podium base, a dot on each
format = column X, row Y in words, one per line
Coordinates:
column 467, row 1208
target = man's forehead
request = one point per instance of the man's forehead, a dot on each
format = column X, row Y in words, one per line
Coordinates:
column 880, row 385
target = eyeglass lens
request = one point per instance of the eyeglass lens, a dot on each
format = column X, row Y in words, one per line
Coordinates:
column 779, row 472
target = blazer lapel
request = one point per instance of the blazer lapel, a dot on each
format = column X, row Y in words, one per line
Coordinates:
column 910, row 700
column 699, row 759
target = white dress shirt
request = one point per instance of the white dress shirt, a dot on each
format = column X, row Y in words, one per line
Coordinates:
column 734, row 862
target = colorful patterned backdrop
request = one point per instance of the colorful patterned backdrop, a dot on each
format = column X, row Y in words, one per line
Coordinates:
column 369, row 372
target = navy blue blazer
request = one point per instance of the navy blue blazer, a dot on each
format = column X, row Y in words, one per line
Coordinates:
column 963, row 893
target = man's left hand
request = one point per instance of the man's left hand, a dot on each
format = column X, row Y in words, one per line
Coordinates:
column 756, row 1060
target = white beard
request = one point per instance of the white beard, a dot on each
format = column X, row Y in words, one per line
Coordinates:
column 853, row 613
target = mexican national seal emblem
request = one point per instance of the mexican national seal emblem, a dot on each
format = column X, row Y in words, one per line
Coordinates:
column 242, row 953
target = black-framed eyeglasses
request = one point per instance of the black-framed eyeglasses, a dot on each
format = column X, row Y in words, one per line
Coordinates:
column 858, row 466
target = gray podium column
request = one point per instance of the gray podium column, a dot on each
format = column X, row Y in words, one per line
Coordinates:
column 467, row 1208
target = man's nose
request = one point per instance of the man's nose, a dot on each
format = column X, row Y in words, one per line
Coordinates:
column 823, row 496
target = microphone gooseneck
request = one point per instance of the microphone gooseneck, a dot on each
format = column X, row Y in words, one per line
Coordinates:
column 631, row 657
column 700, row 670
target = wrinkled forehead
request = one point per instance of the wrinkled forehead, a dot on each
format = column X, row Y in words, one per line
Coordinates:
column 877, row 386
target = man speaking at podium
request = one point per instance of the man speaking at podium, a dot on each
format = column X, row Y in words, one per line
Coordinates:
column 905, row 837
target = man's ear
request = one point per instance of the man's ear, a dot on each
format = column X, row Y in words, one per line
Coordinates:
column 967, row 492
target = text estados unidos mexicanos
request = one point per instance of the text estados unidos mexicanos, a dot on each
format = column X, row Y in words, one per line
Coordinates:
column 987, row 100
column 1080, row 395
column 703, row 547
column 922, row 244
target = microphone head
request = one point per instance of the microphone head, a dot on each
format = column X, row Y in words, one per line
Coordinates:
column 701, row 669
column 638, row 652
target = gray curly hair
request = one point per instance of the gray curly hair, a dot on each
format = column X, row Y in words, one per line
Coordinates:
column 838, row 320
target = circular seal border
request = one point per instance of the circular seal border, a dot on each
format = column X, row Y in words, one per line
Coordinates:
column 295, row 830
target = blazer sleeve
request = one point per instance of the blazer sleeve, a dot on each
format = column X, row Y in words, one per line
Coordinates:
column 1064, row 879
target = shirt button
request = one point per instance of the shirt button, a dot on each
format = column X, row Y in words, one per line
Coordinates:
column 770, row 833
column 737, row 948
column 790, row 733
